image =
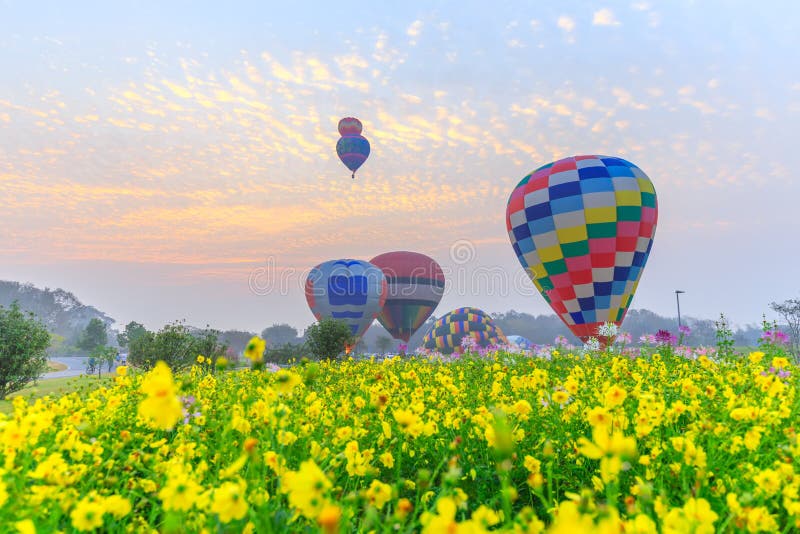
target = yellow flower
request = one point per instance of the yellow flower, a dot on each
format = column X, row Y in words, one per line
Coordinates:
column 180, row 492
column 285, row 381
column 307, row 488
column 615, row 396
column 409, row 422
column 606, row 443
column 532, row 464
column 569, row 520
column 523, row 409
column 379, row 494
column 598, row 416
column 329, row 519
column 696, row 516
column 560, row 397
column 25, row 526
column 201, row 359
column 255, row 350
column 760, row 520
column 117, row 506
column 444, row 520
column 484, row 517
column 161, row 409
column 122, row 370
column 387, row 459
column 756, row 357
column 610, row 448
column 768, row 481
column 87, row 515
column 752, row 438
column 779, row 362
column 641, row 524
column 404, row 507
column 229, row 501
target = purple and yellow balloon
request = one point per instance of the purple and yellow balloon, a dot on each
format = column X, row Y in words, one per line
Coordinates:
column 352, row 148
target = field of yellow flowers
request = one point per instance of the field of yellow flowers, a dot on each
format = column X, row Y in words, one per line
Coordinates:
column 575, row 443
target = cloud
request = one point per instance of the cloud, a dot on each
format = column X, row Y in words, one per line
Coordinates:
column 566, row 23
column 415, row 29
column 604, row 17
column 764, row 113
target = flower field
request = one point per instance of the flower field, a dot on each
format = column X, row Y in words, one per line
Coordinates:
column 576, row 443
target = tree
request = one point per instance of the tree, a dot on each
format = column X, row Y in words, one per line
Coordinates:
column 175, row 345
column 279, row 334
column 103, row 355
column 328, row 338
column 384, row 343
column 23, row 344
column 132, row 331
column 95, row 335
column 790, row 311
column 236, row 340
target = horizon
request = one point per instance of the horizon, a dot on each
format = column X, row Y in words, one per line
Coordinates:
column 167, row 162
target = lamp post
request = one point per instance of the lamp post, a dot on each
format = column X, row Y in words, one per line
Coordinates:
column 678, row 300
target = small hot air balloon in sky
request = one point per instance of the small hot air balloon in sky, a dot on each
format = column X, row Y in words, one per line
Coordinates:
column 352, row 148
column 353, row 291
column 415, row 284
column 447, row 333
column 582, row 227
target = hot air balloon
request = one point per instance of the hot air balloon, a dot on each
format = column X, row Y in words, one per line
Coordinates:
column 521, row 342
column 352, row 148
column 447, row 333
column 582, row 227
column 415, row 284
column 351, row 290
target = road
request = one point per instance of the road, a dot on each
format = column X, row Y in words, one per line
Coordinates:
column 76, row 366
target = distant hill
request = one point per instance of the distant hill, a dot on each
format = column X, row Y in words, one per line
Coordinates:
column 60, row 311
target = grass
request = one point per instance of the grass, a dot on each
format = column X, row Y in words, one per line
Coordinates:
column 54, row 387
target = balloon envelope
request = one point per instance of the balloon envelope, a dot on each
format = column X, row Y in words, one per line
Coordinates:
column 447, row 333
column 521, row 342
column 415, row 286
column 353, row 291
column 349, row 126
column 582, row 227
column 353, row 151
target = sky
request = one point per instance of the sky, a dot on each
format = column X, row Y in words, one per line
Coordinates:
column 176, row 160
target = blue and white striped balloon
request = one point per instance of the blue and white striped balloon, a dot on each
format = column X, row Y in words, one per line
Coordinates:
column 353, row 291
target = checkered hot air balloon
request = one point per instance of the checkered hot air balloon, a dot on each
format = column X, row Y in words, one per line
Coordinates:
column 353, row 291
column 447, row 334
column 352, row 148
column 582, row 227
column 416, row 285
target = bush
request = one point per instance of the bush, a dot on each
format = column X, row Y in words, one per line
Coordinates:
column 328, row 338
column 23, row 344
column 284, row 353
column 175, row 345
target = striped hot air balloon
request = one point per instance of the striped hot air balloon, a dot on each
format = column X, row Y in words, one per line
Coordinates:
column 447, row 334
column 353, row 291
column 352, row 148
column 416, row 285
column 582, row 228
